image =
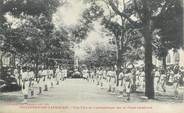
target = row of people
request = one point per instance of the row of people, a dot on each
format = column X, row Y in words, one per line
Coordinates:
column 32, row 84
column 132, row 79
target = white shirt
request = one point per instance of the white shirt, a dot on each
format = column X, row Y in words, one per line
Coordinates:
column 157, row 74
column 25, row 76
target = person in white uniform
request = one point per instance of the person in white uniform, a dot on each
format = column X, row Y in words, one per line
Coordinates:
column 142, row 79
column 52, row 78
column 163, row 78
column 57, row 73
column 92, row 73
column 121, row 78
column 17, row 75
column 31, row 82
column 97, row 76
column 85, row 73
column 44, row 73
column 156, row 78
column 109, row 72
column 177, row 77
column 127, row 83
column 104, row 78
column 40, row 81
column 25, row 84
column 137, row 73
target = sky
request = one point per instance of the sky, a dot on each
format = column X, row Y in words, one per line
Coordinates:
column 15, row 22
column 69, row 16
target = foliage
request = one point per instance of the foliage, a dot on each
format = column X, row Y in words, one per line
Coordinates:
column 29, row 7
column 34, row 40
column 170, row 25
column 91, row 14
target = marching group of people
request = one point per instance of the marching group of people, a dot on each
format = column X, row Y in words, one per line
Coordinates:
column 133, row 79
column 32, row 84
column 129, row 79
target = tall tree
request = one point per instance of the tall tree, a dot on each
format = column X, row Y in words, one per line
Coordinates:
column 124, row 34
column 144, row 11
column 33, row 35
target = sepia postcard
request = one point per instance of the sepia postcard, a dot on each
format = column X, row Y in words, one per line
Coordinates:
column 91, row 56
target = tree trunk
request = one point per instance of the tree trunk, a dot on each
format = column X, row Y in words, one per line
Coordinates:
column 36, row 67
column 134, row 88
column 164, row 62
column 118, row 66
column 147, row 33
column 118, row 59
column 149, row 85
column 1, row 63
column 36, row 71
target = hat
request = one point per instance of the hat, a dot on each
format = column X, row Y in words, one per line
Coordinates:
column 130, row 66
